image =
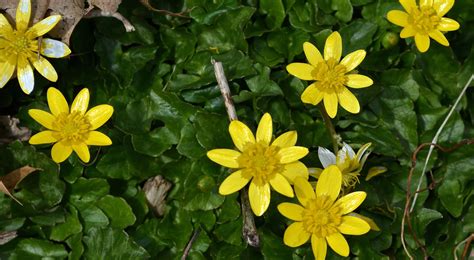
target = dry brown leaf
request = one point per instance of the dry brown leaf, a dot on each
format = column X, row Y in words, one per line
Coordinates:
column 7, row 236
column 72, row 11
column 10, row 131
column 11, row 180
column 156, row 189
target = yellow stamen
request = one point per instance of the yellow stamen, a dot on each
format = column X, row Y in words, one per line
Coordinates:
column 330, row 75
column 260, row 161
column 321, row 217
column 424, row 20
column 71, row 128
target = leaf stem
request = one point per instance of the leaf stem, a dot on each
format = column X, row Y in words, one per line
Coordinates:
column 330, row 128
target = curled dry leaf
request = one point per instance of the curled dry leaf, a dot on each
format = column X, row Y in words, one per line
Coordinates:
column 11, row 180
column 72, row 11
column 7, row 236
column 156, row 189
column 10, row 131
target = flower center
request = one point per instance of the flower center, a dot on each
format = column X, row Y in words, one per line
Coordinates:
column 19, row 43
column 71, row 128
column 330, row 75
column 424, row 20
column 321, row 218
column 260, row 161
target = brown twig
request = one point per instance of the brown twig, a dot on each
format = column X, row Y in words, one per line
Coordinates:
column 147, row 4
column 466, row 246
column 187, row 249
column 249, row 230
column 406, row 213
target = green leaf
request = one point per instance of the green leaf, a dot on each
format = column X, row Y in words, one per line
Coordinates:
column 118, row 211
column 230, row 232
column 343, row 9
column 111, row 243
column 423, row 218
column 42, row 248
column 71, row 226
column 274, row 11
column 357, row 35
column 261, row 84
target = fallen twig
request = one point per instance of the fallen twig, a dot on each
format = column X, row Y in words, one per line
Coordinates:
column 190, row 244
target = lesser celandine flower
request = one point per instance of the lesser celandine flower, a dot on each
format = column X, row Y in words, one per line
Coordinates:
column 331, row 74
column 322, row 217
column 261, row 162
column 424, row 21
column 19, row 48
column 349, row 163
column 71, row 129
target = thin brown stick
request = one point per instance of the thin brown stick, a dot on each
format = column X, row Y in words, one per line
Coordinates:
column 466, row 247
column 249, row 230
column 190, row 244
column 147, row 4
column 406, row 214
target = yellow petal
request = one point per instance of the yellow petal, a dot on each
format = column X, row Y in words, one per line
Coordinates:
column 304, row 191
column 439, row 37
column 301, row 70
column 330, row 104
column 240, row 134
column 442, row 6
column 234, row 182
column 42, row 117
column 60, row 152
column 447, row 24
column 397, row 17
column 312, row 54
column 426, row 3
column 422, row 42
column 333, row 47
column 81, row 102
column 351, row 201
column 7, row 68
column 98, row 138
column 224, row 157
column 294, row 170
column 259, row 196
column 44, row 137
column 371, row 222
column 281, row 185
column 292, row 154
column 329, row 183
column 23, row 13
column 265, row 129
column 348, row 101
column 353, row 59
column 358, row 81
column 82, row 151
column 98, row 115
column 408, row 5
column 295, row 235
column 312, row 95
column 319, row 247
column 338, row 243
column 43, row 26
column 25, row 75
column 5, row 26
column 56, row 102
column 375, row 171
column 291, row 211
column 54, row 49
column 287, row 139
column 353, row 226
column 408, row 31
column 45, row 68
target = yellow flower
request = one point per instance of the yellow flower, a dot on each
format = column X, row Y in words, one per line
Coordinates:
column 71, row 129
column 331, row 75
column 321, row 217
column 424, row 21
column 349, row 163
column 261, row 161
column 19, row 48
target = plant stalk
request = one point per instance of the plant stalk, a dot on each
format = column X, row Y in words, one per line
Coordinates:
column 330, row 128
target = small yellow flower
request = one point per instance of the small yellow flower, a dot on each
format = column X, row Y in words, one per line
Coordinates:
column 349, row 163
column 19, row 48
column 331, row 75
column 424, row 21
column 71, row 129
column 261, row 161
column 321, row 217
